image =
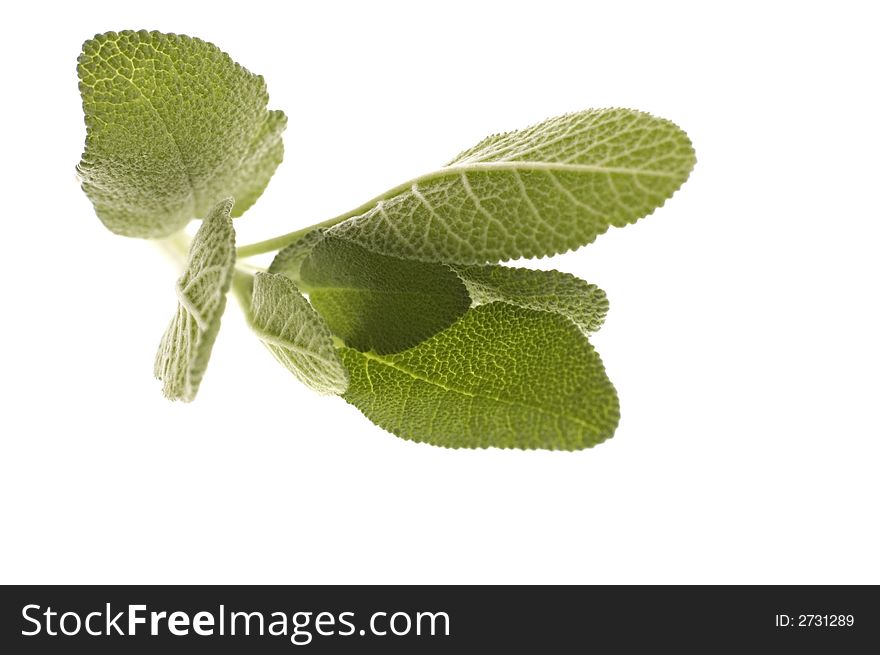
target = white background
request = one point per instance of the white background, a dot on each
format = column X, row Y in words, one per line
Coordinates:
column 742, row 338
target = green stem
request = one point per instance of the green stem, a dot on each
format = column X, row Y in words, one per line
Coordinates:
column 277, row 243
column 175, row 247
column 243, row 289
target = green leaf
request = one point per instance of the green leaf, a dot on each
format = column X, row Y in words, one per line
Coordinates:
column 295, row 334
column 201, row 293
column 289, row 260
column 502, row 376
column 173, row 126
column 380, row 303
column 547, row 189
column 551, row 291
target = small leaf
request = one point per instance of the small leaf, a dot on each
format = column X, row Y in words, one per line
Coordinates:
column 550, row 291
column 295, row 334
column 201, row 292
column 502, row 376
column 380, row 303
column 173, row 126
column 289, row 260
column 547, row 189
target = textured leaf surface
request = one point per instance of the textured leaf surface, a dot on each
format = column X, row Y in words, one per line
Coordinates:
column 551, row 291
column 295, row 334
column 380, row 303
column 289, row 260
column 201, row 292
column 540, row 191
column 502, row 376
column 173, row 126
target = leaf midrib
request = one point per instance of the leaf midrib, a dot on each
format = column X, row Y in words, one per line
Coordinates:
column 458, row 169
column 369, row 290
column 286, row 344
column 377, row 358
column 551, row 166
column 149, row 101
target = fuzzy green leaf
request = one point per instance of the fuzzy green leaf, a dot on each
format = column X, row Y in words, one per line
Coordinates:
column 501, row 376
column 289, row 260
column 380, row 303
column 551, row 291
column 201, row 292
column 173, row 126
column 547, row 189
column 295, row 334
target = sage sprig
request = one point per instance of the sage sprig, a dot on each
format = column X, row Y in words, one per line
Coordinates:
column 401, row 306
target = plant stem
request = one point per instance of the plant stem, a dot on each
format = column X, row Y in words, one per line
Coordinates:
column 175, row 247
column 243, row 289
column 277, row 243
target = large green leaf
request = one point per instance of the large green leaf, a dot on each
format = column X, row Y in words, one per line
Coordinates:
column 173, row 126
column 201, row 293
column 540, row 191
column 502, row 376
column 551, row 291
column 380, row 303
column 295, row 334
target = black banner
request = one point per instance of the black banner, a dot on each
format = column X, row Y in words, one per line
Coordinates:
column 446, row 619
